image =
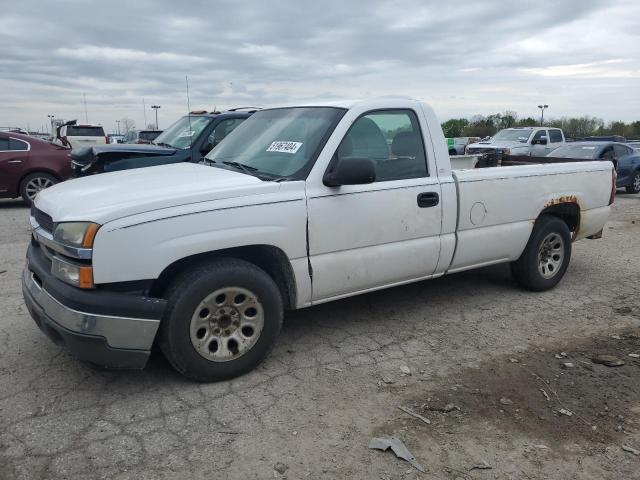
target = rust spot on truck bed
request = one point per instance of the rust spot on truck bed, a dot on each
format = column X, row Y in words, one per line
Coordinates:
column 562, row 199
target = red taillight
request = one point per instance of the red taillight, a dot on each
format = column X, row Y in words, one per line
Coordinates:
column 106, row 140
column 614, row 178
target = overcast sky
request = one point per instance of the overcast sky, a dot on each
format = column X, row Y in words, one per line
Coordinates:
column 463, row 57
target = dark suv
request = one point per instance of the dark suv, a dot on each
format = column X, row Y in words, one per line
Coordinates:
column 187, row 140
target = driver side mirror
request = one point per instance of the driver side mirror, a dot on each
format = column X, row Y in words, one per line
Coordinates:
column 540, row 141
column 351, row 171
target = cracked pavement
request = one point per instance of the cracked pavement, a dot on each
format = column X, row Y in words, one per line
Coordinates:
column 319, row 398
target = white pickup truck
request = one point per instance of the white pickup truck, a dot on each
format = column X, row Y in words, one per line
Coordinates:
column 528, row 141
column 299, row 206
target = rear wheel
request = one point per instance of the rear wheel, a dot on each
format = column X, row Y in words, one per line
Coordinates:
column 34, row 183
column 546, row 257
column 635, row 184
column 221, row 320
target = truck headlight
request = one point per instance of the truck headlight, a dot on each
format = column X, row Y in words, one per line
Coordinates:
column 75, row 274
column 76, row 234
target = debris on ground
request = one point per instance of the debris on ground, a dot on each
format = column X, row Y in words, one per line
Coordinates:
column 387, row 380
column 568, row 365
column 406, row 370
column 506, row 401
column 514, row 360
column 616, row 337
column 399, row 448
column 481, row 466
column 546, row 395
column 2, row 271
column 416, row 415
column 333, row 369
column 629, row 449
column 280, row 468
column 634, row 355
column 607, row 360
column 564, row 411
column 624, row 310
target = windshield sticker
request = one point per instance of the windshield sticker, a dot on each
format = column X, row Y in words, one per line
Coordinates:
column 187, row 134
column 588, row 148
column 284, row 147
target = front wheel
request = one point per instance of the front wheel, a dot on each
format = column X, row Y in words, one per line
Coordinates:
column 546, row 257
column 221, row 320
column 34, row 183
column 635, row 184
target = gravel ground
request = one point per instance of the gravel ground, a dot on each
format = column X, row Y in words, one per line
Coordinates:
column 482, row 357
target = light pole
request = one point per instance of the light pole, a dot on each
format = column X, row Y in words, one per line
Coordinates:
column 118, row 124
column 542, row 109
column 156, row 107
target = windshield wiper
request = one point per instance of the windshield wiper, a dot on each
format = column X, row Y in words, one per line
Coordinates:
column 241, row 166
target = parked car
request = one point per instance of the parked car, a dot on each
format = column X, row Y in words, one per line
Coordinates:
column 457, row 145
column 625, row 159
column 72, row 135
column 189, row 139
column 141, row 136
column 29, row 165
column 299, row 206
column 535, row 141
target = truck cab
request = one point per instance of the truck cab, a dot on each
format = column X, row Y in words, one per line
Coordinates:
column 528, row 141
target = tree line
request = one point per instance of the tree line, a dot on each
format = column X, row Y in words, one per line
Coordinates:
column 574, row 127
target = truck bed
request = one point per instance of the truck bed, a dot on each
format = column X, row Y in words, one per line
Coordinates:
column 498, row 206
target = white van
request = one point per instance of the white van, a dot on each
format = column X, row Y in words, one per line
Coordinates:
column 75, row 136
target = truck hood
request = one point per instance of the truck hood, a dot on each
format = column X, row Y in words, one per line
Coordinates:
column 125, row 148
column 499, row 144
column 106, row 197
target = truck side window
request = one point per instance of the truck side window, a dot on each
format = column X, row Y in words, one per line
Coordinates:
column 223, row 129
column 392, row 140
column 555, row 136
column 538, row 136
column 621, row 151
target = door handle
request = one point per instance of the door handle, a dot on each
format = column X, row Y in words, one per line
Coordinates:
column 428, row 199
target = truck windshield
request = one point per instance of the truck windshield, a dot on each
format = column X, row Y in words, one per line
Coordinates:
column 513, row 135
column 277, row 143
column 575, row 151
column 183, row 133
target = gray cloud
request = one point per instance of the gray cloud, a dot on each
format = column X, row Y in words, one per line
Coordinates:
column 465, row 57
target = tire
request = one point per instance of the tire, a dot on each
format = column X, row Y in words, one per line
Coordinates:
column 35, row 182
column 195, row 330
column 635, row 184
column 546, row 257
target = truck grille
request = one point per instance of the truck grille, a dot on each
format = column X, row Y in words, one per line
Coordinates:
column 44, row 220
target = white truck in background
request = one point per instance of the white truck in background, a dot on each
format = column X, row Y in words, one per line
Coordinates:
column 527, row 141
column 299, row 206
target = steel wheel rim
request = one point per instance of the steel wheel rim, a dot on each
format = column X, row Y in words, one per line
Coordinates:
column 35, row 185
column 226, row 324
column 636, row 182
column 551, row 255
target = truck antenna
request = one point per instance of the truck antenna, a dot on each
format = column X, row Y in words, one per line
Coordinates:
column 186, row 78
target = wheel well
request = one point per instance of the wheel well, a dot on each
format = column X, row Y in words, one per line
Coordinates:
column 568, row 212
column 269, row 258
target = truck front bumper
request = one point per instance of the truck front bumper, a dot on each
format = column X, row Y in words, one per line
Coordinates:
column 108, row 340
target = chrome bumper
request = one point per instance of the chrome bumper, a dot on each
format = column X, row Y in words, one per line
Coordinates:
column 119, row 332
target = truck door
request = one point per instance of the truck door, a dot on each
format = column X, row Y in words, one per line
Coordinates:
column 540, row 145
column 363, row 237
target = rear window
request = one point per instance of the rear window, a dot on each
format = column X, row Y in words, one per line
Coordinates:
column 555, row 136
column 75, row 131
column 149, row 135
